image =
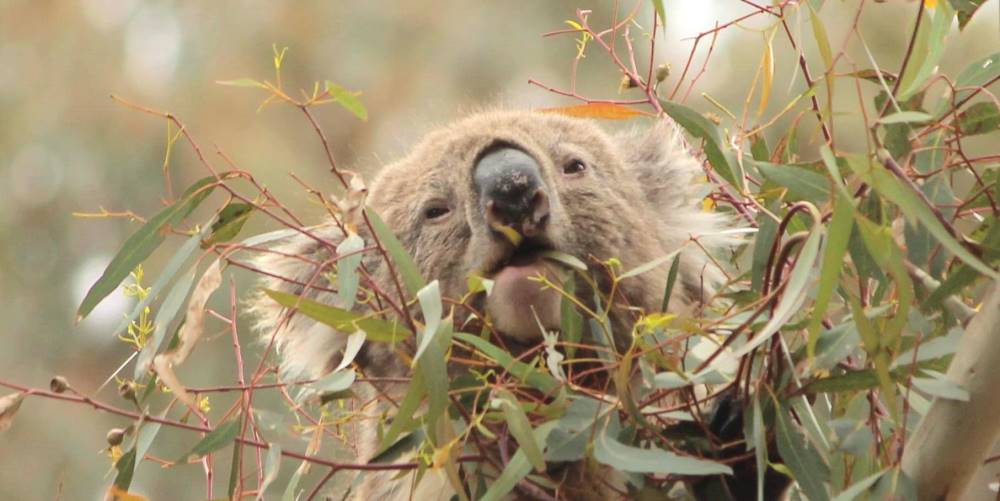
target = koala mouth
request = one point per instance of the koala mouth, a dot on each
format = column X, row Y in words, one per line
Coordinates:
column 521, row 303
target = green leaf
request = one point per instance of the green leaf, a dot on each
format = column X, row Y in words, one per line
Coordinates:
column 348, row 99
column 927, row 52
column 915, row 209
column 230, row 222
column 126, row 469
column 405, row 265
column 859, row 488
column 142, row 243
column 623, row 457
column 759, row 445
column 715, row 144
column 645, row 267
column 571, row 323
column 349, row 258
column 569, row 441
column 833, row 262
column 406, row 417
column 798, row 454
column 965, row 9
column 767, row 229
column 980, row 118
column 906, row 117
column 973, row 76
column 242, row 82
column 432, row 368
column 334, row 382
column 822, row 40
column 660, row 12
column 671, row 280
column 175, row 264
column 964, row 275
column 345, row 321
column 866, row 379
column 794, row 294
column 430, row 304
column 872, row 75
column 221, row 436
column 526, row 373
column 564, row 258
column 520, row 428
column 758, row 148
column 517, row 468
column 940, row 387
column 802, row 184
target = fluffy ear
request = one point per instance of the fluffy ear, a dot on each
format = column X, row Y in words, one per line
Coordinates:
column 667, row 168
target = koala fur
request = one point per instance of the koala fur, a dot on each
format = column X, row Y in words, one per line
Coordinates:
column 635, row 200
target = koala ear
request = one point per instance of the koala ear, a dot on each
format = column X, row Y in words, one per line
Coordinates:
column 664, row 164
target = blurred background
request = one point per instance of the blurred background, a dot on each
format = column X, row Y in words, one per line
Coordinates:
column 66, row 147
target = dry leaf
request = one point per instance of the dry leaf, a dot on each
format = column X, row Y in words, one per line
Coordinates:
column 353, row 204
column 8, row 408
column 190, row 333
column 115, row 493
column 608, row 111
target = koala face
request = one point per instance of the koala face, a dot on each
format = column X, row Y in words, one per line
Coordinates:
column 489, row 194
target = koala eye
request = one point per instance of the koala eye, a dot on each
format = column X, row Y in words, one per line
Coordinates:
column 436, row 212
column 574, row 167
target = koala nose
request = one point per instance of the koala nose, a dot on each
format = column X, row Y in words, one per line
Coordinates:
column 511, row 191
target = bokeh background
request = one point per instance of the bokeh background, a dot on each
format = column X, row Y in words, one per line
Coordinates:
column 65, row 147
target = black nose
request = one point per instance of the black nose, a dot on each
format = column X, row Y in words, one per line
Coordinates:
column 511, row 191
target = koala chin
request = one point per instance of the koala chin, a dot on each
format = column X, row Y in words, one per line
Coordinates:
column 491, row 195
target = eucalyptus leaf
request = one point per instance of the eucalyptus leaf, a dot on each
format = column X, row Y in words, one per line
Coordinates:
column 609, row 451
column 142, row 243
column 223, row 435
column 345, row 321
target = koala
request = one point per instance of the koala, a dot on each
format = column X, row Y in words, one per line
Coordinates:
column 488, row 195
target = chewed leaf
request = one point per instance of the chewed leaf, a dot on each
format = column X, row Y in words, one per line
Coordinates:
column 980, row 118
column 230, row 222
column 607, row 111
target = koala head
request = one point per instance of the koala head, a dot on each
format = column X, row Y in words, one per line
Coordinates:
column 490, row 194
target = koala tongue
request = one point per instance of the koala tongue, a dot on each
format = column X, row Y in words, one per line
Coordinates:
column 516, row 299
